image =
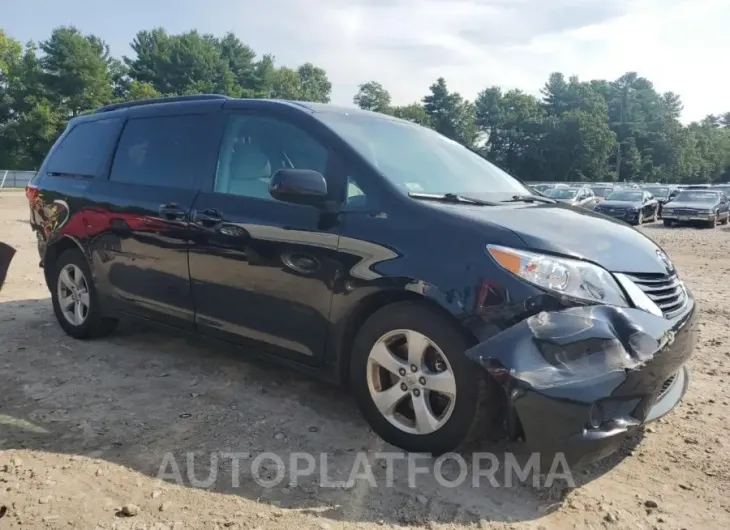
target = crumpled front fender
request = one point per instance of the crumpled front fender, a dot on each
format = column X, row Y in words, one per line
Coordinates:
column 586, row 370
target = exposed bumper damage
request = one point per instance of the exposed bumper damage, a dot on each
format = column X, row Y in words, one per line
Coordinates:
column 578, row 380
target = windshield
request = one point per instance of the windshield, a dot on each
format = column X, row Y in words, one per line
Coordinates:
column 419, row 160
column 697, row 196
column 562, row 193
column 601, row 192
column 632, row 196
column 658, row 192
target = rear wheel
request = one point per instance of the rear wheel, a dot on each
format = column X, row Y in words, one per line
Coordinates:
column 413, row 383
column 75, row 299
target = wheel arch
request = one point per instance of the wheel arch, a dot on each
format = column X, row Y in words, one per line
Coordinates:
column 368, row 306
column 55, row 249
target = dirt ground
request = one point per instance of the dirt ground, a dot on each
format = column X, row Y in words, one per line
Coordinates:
column 86, row 426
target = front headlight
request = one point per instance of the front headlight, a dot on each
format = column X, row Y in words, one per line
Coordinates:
column 566, row 276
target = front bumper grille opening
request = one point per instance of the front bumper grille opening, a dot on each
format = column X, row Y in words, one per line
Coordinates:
column 665, row 387
column 665, row 290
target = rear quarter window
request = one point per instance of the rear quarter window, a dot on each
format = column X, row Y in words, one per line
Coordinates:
column 164, row 151
column 85, row 150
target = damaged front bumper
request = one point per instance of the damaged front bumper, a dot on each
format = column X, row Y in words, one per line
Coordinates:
column 578, row 380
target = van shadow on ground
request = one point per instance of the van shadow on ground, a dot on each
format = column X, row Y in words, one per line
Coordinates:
column 145, row 393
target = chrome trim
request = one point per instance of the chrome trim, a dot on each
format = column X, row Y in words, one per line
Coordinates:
column 637, row 296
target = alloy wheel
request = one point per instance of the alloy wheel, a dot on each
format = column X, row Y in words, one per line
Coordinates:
column 411, row 382
column 73, row 295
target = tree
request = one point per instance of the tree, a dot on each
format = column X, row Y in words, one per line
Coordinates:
column 77, row 70
column 314, row 85
column 589, row 130
column 450, row 114
column 372, row 96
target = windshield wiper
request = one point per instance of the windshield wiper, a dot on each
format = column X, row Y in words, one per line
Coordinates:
column 530, row 198
column 453, row 198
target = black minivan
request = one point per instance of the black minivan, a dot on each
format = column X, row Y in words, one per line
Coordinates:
column 450, row 299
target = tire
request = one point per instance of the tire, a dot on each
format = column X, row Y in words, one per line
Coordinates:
column 725, row 221
column 713, row 223
column 640, row 219
column 92, row 323
column 655, row 217
column 667, row 222
column 466, row 415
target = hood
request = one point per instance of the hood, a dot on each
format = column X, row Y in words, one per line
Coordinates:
column 573, row 232
column 691, row 205
column 621, row 204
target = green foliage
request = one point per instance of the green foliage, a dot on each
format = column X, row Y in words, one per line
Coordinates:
column 573, row 130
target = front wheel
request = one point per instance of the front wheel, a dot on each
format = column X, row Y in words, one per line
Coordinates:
column 413, row 383
column 667, row 222
column 640, row 219
column 75, row 300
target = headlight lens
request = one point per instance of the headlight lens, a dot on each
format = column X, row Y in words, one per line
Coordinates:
column 566, row 276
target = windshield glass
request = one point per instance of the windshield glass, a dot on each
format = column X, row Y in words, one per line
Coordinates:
column 419, row 160
column 562, row 193
column 697, row 196
column 601, row 192
column 632, row 196
column 658, row 192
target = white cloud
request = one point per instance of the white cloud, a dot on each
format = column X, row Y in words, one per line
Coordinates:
column 680, row 45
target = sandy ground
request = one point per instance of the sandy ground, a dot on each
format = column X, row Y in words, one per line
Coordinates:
column 85, row 428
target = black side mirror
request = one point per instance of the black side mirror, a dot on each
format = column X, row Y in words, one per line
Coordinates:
column 299, row 186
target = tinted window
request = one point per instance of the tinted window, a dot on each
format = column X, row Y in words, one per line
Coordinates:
column 562, row 193
column 161, row 151
column 255, row 147
column 698, row 196
column 85, row 150
column 631, row 196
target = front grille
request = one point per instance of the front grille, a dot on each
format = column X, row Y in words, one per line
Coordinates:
column 665, row 387
column 665, row 290
column 683, row 211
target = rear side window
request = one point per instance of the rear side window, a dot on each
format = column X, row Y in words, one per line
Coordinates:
column 161, row 151
column 85, row 150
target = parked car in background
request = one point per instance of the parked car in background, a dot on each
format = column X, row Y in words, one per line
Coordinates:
column 601, row 191
column 631, row 205
column 541, row 188
column 662, row 194
column 697, row 206
column 299, row 228
column 582, row 197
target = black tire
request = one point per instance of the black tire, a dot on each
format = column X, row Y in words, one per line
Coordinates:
column 712, row 224
column 96, row 324
column 667, row 222
column 640, row 219
column 655, row 217
column 473, row 410
column 725, row 221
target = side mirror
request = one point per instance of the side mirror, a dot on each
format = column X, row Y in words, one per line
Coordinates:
column 299, row 186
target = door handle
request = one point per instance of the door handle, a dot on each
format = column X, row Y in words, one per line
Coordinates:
column 171, row 212
column 207, row 217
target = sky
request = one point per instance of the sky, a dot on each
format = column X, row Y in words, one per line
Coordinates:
column 680, row 45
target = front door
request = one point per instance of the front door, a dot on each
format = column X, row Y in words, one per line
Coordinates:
column 262, row 269
column 139, row 220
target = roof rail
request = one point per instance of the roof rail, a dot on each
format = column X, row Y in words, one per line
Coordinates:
column 165, row 99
